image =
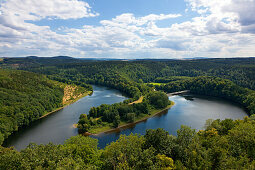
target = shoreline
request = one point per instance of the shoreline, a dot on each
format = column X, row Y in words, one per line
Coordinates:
column 119, row 128
column 71, row 102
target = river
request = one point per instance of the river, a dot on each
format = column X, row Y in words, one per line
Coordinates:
column 191, row 110
column 58, row 127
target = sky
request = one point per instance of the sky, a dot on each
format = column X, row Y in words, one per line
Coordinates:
column 127, row 29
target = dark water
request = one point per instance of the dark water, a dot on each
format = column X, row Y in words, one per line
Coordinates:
column 188, row 110
column 58, row 127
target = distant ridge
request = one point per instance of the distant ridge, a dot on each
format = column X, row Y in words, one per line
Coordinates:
column 63, row 57
column 74, row 59
column 55, row 57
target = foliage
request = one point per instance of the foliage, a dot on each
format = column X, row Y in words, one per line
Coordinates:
column 158, row 99
column 239, row 70
column 77, row 153
column 224, row 144
column 214, row 86
column 24, row 97
column 114, row 114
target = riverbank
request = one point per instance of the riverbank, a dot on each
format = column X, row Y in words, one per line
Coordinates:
column 67, row 103
column 123, row 125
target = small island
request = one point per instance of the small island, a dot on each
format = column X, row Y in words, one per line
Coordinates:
column 106, row 118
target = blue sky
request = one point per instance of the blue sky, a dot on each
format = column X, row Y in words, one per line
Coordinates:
column 127, row 28
column 109, row 9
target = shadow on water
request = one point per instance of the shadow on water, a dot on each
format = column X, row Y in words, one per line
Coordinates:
column 58, row 127
column 190, row 110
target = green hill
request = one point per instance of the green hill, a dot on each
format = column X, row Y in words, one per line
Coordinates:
column 26, row 96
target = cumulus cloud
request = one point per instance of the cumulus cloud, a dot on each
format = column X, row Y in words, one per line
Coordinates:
column 129, row 19
column 227, row 15
column 17, row 33
column 123, row 31
column 15, row 15
column 37, row 10
column 222, row 28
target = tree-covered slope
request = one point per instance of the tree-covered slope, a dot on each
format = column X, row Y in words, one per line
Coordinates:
column 25, row 97
column 239, row 70
column 224, row 144
column 214, row 86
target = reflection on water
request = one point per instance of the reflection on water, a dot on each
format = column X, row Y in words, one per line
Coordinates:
column 58, row 127
column 188, row 97
column 190, row 110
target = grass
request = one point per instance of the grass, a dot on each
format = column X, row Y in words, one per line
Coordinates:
column 156, row 84
column 103, row 128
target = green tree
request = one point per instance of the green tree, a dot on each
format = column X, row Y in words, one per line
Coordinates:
column 158, row 99
column 131, row 117
column 116, row 121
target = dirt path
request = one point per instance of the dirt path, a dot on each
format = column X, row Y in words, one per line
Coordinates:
column 140, row 100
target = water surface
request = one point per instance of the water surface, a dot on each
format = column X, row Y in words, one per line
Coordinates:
column 58, row 127
column 190, row 110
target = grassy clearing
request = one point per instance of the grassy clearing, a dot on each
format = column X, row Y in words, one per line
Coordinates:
column 157, row 84
column 140, row 100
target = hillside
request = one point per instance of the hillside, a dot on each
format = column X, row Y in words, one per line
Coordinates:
column 26, row 96
column 224, row 144
column 239, row 70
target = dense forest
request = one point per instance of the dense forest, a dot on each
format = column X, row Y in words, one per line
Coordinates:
column 213, row 86
column 224, row 144
column 128, row 113
column 25, row 97
column 239, row 70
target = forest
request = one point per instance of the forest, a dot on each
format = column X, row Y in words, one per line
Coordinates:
column 25, row 97
column 32, row 86
column 238, row 70
column 121, row 112
column 213, row 86
column 224, row 144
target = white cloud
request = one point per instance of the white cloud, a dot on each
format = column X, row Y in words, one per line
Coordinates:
column 128, row 18
column 39, row 9
column 226, row 15
column 223, row 28
column 18, row 33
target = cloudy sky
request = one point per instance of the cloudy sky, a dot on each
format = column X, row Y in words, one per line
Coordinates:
column 128, row 28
